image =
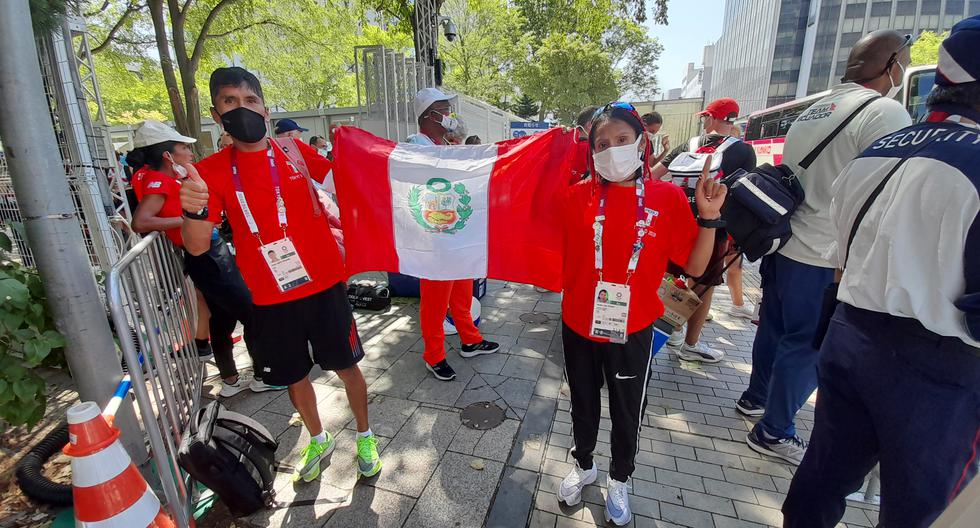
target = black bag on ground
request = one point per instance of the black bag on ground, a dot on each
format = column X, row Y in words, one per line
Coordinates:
column 369, row 296
column 758, row 208
column 231, row 454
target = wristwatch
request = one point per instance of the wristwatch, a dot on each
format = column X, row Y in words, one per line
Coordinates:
column 202, row 215
column 711, row 224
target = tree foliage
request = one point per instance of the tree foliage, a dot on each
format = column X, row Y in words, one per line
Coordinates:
column 583, row 69
column 153, row 55
column 925, row 50
column 526, row 107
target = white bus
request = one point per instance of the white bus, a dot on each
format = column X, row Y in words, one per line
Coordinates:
column 766, row 129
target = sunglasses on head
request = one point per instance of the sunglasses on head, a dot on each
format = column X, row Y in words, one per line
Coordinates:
column 891, row 60
column 622, row 105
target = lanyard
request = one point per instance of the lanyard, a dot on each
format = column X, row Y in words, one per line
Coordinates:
column 642, row 222
column 240, row 193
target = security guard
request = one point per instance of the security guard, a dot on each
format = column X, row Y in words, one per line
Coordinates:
column 899, row 372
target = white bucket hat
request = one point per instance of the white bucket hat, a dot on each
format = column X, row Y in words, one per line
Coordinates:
column 426, row 96
column 151, row 132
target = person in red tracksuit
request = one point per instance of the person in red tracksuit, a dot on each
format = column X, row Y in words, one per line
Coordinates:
column 433, row 111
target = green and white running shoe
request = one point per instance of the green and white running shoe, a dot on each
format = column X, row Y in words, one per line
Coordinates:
column 309, row 465
column 368, row 461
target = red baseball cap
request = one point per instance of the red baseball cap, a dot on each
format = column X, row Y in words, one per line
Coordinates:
column 725, row 109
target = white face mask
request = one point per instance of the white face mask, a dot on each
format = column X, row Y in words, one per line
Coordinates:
column 449, row 122
column 179, row 169
column 618, row 164
column 893, row 91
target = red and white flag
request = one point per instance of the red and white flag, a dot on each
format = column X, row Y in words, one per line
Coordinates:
column 456, row 212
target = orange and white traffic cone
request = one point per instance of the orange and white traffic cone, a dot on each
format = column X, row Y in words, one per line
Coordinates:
column 108, row 490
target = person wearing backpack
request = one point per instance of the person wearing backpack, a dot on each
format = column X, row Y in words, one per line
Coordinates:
column 899, row 371
column 822, row 140
column 683, row 166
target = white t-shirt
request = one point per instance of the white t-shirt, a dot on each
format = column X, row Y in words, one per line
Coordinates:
column 812, row 228
column 916, row 253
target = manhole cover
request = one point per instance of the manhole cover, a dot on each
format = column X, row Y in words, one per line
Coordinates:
column 482, row 416
column 534, row 318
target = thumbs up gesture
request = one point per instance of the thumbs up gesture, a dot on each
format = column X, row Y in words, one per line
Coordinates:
column 193, row 191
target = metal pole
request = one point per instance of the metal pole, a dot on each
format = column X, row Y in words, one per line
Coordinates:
column 53, row 230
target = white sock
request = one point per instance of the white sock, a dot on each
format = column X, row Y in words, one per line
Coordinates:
column 322, row 437
column 365, row 434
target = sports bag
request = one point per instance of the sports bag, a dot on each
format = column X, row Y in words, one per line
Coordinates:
column 758, row 208
column 761, row 202
column 369, row 296
column 231, row 454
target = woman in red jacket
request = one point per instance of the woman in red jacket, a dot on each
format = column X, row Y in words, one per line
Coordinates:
column 621, row 229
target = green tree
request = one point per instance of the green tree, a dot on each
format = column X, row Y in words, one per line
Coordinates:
column 568, row 73
column 488, row 44
column 526, row 107
column 925, row 50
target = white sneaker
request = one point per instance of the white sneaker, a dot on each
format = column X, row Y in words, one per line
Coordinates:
column 230, row 389
column 570, row 489
column 677, row 338
column 746, row 311
column 258, row 385
column 618, row 502
column 699, row 352
column 789, row 449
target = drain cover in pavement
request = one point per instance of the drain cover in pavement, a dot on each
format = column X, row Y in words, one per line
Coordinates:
column 534, row 318
column 482, row 416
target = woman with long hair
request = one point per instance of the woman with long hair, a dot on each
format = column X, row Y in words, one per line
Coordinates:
column 621, row 229
column 158, row 158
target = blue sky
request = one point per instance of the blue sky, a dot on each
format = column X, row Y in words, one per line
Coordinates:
column 691, row 25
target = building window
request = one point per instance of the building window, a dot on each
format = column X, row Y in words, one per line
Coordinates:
column 906, row 7
column 849, row 39
column 955, row 7
column 881, row 9
column 931, row 7
column 974, row 8
column 855, row 10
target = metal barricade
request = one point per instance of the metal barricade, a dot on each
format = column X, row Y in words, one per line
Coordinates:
column 153, row 309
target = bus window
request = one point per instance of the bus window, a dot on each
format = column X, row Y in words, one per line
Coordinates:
column 919, row 85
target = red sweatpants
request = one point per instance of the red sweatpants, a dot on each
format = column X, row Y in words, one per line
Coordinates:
column 437, row 298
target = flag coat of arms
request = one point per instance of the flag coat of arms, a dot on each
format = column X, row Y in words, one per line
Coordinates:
column 457, row 212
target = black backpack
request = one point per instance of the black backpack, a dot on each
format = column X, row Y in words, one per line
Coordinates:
column 233, row 455
column 761, row 202
column 369, row 296
column 758, row 208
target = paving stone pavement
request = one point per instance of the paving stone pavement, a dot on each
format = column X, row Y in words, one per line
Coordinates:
column 693, row 468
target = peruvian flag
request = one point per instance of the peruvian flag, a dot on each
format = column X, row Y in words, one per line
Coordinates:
column 454, row 212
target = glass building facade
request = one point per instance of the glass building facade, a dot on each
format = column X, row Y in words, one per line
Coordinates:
column 773, row 51
column 841, row 23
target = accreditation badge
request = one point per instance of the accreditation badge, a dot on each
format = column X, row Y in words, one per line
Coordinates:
column 284, row 263
column 611, row 311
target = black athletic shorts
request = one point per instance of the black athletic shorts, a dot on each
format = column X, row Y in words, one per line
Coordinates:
column 292, row 336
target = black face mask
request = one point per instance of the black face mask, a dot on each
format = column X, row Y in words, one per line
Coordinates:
column 244, row 124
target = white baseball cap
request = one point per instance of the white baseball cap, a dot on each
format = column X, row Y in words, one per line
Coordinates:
column 151, row 132
column 426, row 96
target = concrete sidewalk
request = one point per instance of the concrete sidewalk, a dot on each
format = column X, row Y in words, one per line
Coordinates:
column 693, row 468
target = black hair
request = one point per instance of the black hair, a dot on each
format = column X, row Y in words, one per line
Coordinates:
column 233, row 76
column 586, row 115
column 615, row 113
column 625, row 116
column 313, row 140
column 967, row 95
column 472, row 140
column 151, row 155
column 652, row 118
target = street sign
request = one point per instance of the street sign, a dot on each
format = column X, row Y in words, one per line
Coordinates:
column 526, row 128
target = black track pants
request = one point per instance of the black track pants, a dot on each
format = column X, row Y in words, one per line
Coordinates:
column 626, row 367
